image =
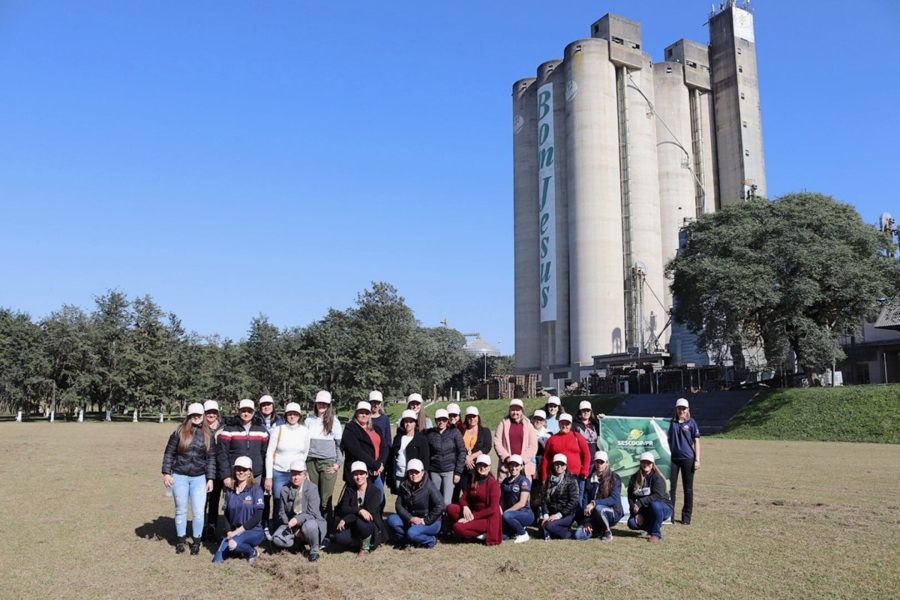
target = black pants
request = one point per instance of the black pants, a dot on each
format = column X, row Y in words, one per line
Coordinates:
column 686, row 466
column 212, row 504
column 359, row 530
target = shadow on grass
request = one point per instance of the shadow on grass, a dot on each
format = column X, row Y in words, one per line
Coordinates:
column 758, row 411
column 162, row 528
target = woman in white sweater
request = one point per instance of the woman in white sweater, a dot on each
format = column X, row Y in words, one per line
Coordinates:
column 288, row 442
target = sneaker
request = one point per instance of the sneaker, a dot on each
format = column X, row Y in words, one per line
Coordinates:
column 481, row 537
column 313, row 556
column 606, row 537
column 685, row 520
column 521, row 539
column 653, row 538
column 268, row 535
column 195, row 548
column 326, row 541
column 179, row 546
column 252, row 558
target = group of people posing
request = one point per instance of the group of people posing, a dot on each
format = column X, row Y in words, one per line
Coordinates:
column 278, row 476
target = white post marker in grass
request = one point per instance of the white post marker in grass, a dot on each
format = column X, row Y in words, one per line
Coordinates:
column 18, row 416
column 161, row 417
column 52, row 415
column 109, row 414
column 81, row 415
column 135, row 418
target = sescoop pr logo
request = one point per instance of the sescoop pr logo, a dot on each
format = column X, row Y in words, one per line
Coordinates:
column 634, row 439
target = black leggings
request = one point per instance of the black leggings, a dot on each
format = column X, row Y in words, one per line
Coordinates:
column 686, row 466
column 212, row 504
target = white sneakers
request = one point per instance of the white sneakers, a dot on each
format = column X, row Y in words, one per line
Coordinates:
column 520, row 539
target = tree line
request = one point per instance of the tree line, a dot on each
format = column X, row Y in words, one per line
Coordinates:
column 130, row 353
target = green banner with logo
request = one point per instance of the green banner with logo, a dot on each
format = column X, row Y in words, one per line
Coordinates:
column 626, row 438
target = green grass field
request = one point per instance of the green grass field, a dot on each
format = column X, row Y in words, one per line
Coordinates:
column 869, row 413
column 86, row 517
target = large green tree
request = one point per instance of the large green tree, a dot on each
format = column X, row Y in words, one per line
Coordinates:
column 787, row 275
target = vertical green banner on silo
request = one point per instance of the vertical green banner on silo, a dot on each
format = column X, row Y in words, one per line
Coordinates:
column 547, row 202
column 626, row 438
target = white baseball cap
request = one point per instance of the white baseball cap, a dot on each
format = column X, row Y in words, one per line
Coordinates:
column 554, row 400
column 375, row 396
column 323, row 397
column 565, row 417
column 539, row 414
column 441, row 414
column 560, row 458
column 453, row 408
column 516, row 402
column 415, row 465
column 414, row 397
column 210, row 405
column 472, row 410
column 292, row 407
column 409, row 414
column 601, row 455
column 515, row 458
column 246, row 404
column 483, row 459
column 585, row 405
column 267, row 399
column 195, row 409
column 363, row 405
column 682, row 402
column 244, row 462
column 298, row 465
column 359, row 466
column 647, row 456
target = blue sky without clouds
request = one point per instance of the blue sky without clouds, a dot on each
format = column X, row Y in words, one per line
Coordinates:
column 232, row 158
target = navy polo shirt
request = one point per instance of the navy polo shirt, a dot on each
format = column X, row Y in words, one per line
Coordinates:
column 681, row 439
column 511, row 490
column 239, row 508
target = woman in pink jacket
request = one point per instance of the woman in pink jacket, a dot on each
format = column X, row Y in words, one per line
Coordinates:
column 516, row 435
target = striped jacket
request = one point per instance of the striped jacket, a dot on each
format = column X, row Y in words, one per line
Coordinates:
column 235, row 441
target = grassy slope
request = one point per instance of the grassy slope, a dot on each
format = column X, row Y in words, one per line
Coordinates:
column 869, row 413
column 89, row 520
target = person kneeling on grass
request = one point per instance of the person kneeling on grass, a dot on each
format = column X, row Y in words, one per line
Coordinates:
column 419, row 509
column 359, row 512
column 477, row 515
column 602, row 501
column 244, row 505
column 299, row 511
column 515, row 492
column 650, row 505
column 559, row 500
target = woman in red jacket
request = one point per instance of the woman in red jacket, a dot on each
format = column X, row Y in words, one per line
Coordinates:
column 572, row 444
column 478, row 513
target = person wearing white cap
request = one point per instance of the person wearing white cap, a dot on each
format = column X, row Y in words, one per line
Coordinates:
column 602, row 501
column 478, row 512
column 244, row 436
column 648, row 499
column 414, row 403
column 684, row 442
column 325, row 455
column 243, row 512
column 289, row 443
column 418, row 509
column 215, row 424
column 189, row 467
column 267, row 415
column 573, row 446
column 515, row 496
column 539, row 421
column 299, row 511
column 361, row 443
column 453, row 414
column 553, row 408
column 559, row 500
column 447, row 455
column 587, row 425
column 476, row 438
column 515, row 435
column 359, row 511
column 380, row 421
column 409, row 444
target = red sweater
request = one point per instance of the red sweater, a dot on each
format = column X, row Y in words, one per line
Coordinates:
column 484, row 502
column 571, row 444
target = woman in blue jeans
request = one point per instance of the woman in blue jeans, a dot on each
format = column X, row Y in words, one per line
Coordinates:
column 515, row 496
column 650, row 505
column 602, row 501
column 243, row 515
column 419, row 509
column 188, row 469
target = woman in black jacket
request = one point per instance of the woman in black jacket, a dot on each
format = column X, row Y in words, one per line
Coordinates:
column 647, row 497
column 362, row 443
column 244, row 436
column 188, row 469
column 446, row 453
column 559, row 500
column 419, row 508
column 408, row 444
column 359, row 512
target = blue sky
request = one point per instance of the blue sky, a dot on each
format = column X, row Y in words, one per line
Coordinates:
column 232, row 158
